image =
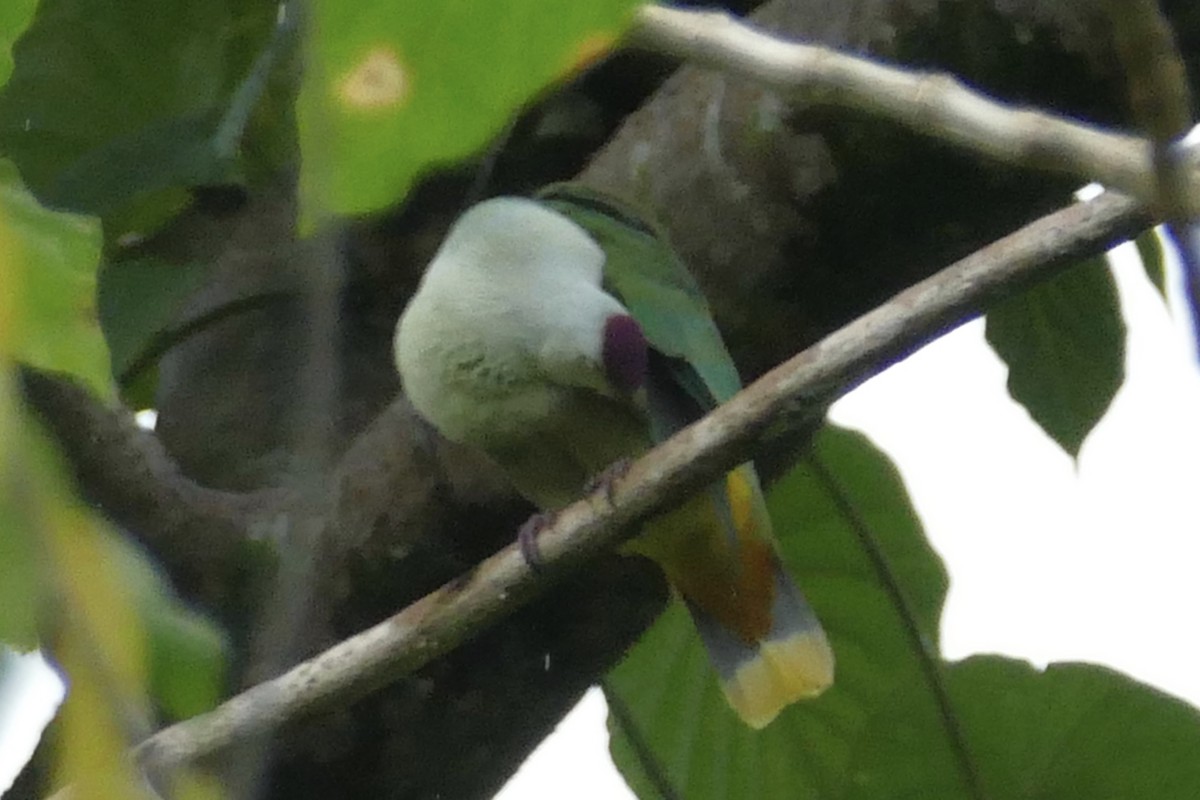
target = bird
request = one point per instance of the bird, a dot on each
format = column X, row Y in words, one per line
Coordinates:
column 562, row 334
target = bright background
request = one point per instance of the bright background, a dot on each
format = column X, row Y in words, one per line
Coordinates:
column 1049, row 559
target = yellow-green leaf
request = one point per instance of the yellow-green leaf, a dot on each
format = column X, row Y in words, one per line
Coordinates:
column 394, row 88
column 48, row 263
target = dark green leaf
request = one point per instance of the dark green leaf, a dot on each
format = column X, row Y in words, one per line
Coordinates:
column 112, row 99
column 1074, row 731
column 704, row 751
column 391, row 90
column 161, row 155
column 138, row 301
column 1149, row 246
column 1064, row 344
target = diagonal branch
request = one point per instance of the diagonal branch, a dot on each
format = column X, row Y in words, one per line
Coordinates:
column 785, row 397
column 937, row 105
column 197, row 533
column 200, row 534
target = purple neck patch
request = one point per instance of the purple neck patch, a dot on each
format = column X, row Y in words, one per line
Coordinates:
column 624, row 353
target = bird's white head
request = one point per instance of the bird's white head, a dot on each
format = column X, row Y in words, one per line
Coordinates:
column 515, row 235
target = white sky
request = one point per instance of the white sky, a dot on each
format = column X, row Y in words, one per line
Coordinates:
column 30, row 693
column 1048, row 560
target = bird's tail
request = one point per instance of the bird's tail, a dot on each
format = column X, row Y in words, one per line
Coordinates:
column 791, row 661
column 762, row 636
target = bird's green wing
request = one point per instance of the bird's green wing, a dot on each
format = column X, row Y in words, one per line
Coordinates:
column 646, row 274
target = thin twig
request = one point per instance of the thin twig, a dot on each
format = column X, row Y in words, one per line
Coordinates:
column 934, row 104
column 1162, row 106
column 1155, row 73
column 782, row 398
column 930, row 664
column 1158, row 93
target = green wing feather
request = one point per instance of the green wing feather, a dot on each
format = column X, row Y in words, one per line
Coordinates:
column 643, row 271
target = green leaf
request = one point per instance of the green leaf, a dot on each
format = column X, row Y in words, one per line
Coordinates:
column 670, row 691
column 20, row 569
column 1064, row 344
column 1073, row 731
column 98, row 641
column 138, row 300
column 393, row 89
column 48, row 270
column 112, row 99
column 100, row 645
column 14, row 17
column 1149, row 246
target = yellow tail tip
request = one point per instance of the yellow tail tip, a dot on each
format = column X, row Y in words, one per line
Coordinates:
column 783, row 671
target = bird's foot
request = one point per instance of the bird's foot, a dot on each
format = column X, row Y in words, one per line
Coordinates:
column 605, row 481
column 528, row 534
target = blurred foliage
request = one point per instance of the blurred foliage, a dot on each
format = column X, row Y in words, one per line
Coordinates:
column 20, row 584
column 49, row 276
column 66, row 583
column 117, row 101
column 14, row 16
column 188, row 655
column 100, row 645
column 388, row 95
column 47, row 268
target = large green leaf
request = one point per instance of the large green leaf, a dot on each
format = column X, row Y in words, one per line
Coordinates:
column 1074, row 731
column 48, row 273
column 113, row 99
column 898, row 723
column 1064, row 344
column 392, row 89
column 670, row 692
